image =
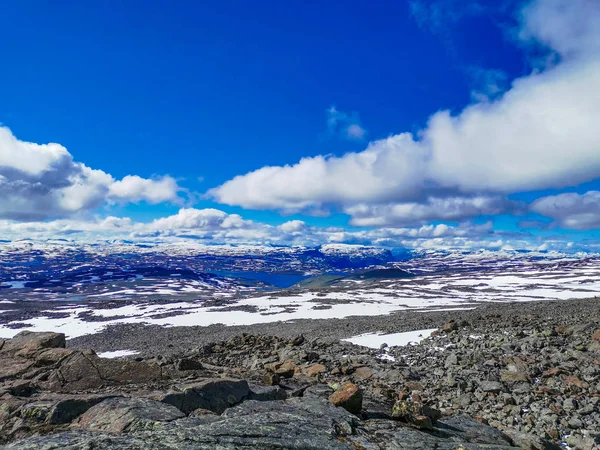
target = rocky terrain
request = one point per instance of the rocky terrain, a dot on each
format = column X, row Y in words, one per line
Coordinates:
column 489, row 381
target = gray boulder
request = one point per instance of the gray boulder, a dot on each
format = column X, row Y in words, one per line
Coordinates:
column 216, row 394
column 118, row 415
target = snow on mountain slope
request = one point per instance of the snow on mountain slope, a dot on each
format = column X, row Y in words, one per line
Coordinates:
column 82, row 289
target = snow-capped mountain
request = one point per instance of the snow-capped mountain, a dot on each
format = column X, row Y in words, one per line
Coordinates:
column 42, row 262
column 81, row 289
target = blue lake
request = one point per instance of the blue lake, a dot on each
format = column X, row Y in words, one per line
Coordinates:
column 281, row 280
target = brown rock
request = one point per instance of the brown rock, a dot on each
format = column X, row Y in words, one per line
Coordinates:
column 29, row 341
column 546, row 390
column 482, row 420
column 422, row 422
column 347, row 369
column 13, row 367
column 554, row 371
column 271, row 379
column 284, row 369
column 576, row 382
column 84, row 370
column 565, row 331
column 362, row 373
column 416, row 397
column 596, row 336
column 314, row 370
column 402, row 395
column 349, row 397
column 449, row 326
column 201, row 412
column 413, row 386
column 76, row 372
column 52, row 356
column 120, row 371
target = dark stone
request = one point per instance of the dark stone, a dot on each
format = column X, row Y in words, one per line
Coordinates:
column 117, row 415
column 295, row 424
column 214, row 394
column 189, row 364
column 266, row 393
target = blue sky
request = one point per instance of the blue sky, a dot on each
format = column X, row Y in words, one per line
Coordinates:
column 154, row 105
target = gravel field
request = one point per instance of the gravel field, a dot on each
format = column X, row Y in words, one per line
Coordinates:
column 152, row 340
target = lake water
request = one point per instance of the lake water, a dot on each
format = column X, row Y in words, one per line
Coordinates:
column 281, row 280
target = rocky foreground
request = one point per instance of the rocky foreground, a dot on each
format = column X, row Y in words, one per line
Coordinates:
column 529, row 382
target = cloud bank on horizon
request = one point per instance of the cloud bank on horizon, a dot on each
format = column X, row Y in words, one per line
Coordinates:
column 409, row 189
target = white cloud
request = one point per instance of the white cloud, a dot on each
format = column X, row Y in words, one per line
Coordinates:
column 133, row 188
column 28, row 157
column 211, row 226
column 571, row 210
column 355, row 131
column 215, row 226
column 446, row 209
column 204, row 219
column 387, row 168
column 39, row 181
column 542, row 133
column 293, row 226
column 344, row 125
column 569, row 27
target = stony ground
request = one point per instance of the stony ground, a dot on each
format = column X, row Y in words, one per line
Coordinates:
column 154, row 340
column 252, row 392
column 502, row 376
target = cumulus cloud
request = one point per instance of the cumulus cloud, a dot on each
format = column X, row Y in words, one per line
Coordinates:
column 40, row 181
column 541, row 133
column 133, row 188
column 344, row 125
column 571, row 28
column 571, row 210
column 432, row 209
column 205, row 219
column 212, row 226
column 293, row 226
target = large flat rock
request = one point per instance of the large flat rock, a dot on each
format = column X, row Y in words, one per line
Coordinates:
column 118, row 415
column 215, row 395
column 294, row 424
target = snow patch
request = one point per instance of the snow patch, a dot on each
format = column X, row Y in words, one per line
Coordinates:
column 376, row 340
column 117, row 354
